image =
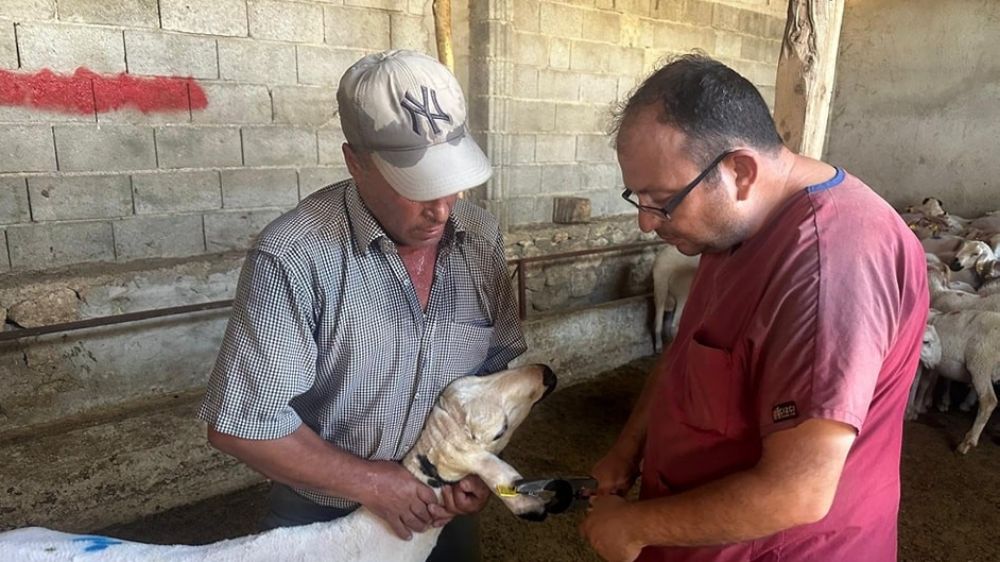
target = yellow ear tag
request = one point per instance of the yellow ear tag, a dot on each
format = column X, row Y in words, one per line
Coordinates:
column 506, row 491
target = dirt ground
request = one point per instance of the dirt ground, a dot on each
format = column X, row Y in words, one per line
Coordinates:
column 950, row 507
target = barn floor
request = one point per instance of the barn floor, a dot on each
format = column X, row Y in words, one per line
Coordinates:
column 949, row 508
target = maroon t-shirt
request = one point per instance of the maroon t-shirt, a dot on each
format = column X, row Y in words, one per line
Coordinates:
column 819, row 315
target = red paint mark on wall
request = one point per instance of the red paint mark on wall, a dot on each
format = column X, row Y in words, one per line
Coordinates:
column 86, row 91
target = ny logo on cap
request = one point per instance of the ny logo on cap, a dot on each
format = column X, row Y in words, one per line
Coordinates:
column 416, row 108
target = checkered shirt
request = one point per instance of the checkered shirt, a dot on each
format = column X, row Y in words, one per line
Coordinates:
column 327, row 330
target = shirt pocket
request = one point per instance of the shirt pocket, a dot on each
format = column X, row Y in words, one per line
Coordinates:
column 464, row 347
column 710, row 390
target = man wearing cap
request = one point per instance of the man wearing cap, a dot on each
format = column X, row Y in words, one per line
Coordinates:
column 354, row 310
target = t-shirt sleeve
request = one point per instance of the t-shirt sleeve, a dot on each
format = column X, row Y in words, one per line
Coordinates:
column 831, row 323
column 268, row 354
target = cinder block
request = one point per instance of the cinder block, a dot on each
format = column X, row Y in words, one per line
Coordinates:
column 58, row 198
column 562, row 178
column 211, row 17
column 754, row 24
column 637, row 7
column 522, row 180
column 525, row 81
column 27, row 148
column 598, row 89
column 14, row 200
column 698, row 12
column 248, row 188
column 198, row 147
column 171, row 54
column 529, row 210
column 526, row 16
column 726, row 18
column 172, row 192
column 602, row 26
column 555, row 148
column 760, row 50
column 279, row 146
column 631, row 62
column 28, row 10
column 362, row 29
column 65, row 48
column 8, row 45
column 580, row 118
column 285, row 21
column 331, row 141
column 256, row 62
column 728, row 45
column 776, row 28
column 594, row 148
column 561, row 20
column 39, row 246
column 532, row 116
column 586, row 56
column 159, row 237
column 601, row 177
column 131, row 13
column 324, row 66
column 105, row 147
column 411, row 32
column 637, row 32
column 559, row 53
column 558, row 86
column 235, row 230
column 531, row 48
column 522, row 149
column 304, row 105
column 234, row 103
column 682, row 38
column 313, row 179
column 392, row 5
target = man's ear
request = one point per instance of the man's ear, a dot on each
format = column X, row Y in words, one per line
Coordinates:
column 745, row 166
column 355, row 164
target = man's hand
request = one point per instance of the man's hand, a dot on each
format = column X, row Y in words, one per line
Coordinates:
column 607, row 529
column 615, row 473
column 469, row 495
column 401, row 500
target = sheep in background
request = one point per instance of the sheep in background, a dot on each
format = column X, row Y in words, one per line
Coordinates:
column 965, row 346
column 934, row 263
column 470, row 424
column 672, row 276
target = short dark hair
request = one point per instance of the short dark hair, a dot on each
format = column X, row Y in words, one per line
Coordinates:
column 712, row 104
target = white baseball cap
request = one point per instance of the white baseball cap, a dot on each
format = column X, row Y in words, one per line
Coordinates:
column 408, row 110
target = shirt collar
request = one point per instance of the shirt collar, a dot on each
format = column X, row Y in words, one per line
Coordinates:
column 367, row 230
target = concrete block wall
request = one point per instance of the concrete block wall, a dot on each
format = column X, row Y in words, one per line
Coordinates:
column 571, row 61
column 252, row 130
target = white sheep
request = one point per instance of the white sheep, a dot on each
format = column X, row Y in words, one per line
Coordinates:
column 472, row 421
column 672, row 276
column 946, row 299
column 965, row 346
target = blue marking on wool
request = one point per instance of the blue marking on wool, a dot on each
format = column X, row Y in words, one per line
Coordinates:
column 95, row 543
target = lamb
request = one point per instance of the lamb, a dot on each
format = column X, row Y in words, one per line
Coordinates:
column 976, row 256
column 963, row 346
column 673, row 273
column 471, row 423
column 945, row 299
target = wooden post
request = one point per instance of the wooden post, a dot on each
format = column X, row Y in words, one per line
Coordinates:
column 806, row 68
column 442, row 33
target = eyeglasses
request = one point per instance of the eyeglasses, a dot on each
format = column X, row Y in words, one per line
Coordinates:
column 675, row 201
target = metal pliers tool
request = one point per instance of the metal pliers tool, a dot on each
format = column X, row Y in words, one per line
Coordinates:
column 559, row 494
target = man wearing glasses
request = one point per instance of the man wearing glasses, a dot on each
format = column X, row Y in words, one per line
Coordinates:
column 771, row 428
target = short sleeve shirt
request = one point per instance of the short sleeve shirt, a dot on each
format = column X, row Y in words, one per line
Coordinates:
column 819, row 315
column 327, row 330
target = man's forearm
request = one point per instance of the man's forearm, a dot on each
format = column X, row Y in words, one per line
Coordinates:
column 793, row 484
column 301, row 460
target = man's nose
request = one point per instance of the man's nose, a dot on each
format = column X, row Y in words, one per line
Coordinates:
column 438, row 210
column 648, row 221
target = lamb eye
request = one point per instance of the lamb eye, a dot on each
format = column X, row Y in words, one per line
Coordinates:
column 502, row 432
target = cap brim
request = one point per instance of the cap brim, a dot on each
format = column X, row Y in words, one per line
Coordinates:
column 436, row 171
